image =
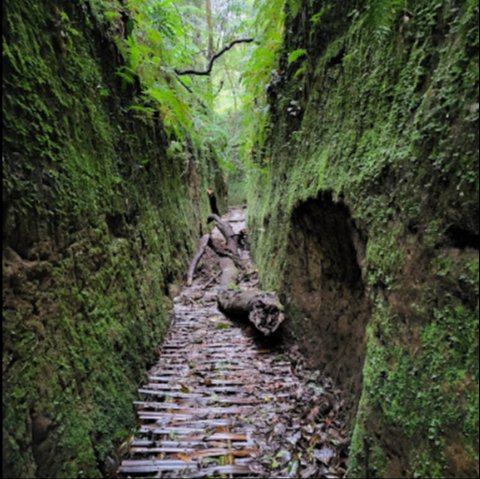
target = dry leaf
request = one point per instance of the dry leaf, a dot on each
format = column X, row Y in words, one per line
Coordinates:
column 184, row 457
column 324, row 455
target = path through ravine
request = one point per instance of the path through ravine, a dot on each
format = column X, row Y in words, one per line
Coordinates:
column 223, row 402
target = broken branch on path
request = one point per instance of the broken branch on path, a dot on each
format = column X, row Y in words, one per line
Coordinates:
column 214, row 57
column 227, row 232
column 193, row 265
column 211, row 280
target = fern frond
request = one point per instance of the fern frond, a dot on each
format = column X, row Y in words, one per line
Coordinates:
column 381, row 14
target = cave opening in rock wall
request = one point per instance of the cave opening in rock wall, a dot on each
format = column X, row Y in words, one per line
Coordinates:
column 326, row 300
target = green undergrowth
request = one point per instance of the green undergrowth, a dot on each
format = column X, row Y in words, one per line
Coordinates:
column 379, row 105
column 102, row 207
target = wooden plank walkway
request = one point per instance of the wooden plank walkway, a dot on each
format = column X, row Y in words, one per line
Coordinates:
column 212, row 386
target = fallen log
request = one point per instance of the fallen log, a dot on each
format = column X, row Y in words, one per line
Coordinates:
column 227, row 232
column 193, row 265
column 229, row 273
column 262, row 309
column 230, row 251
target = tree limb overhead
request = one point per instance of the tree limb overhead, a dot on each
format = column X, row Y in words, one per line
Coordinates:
column 214, row 57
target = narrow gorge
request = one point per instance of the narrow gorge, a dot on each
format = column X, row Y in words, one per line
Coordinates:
column 341, row 136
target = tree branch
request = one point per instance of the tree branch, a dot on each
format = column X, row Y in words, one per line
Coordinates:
column 215, row 57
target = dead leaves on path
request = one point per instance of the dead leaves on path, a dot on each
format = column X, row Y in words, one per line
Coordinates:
column 305, row 435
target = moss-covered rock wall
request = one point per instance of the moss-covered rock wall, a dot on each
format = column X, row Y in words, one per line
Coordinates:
column 364, row 212
column 100, row 216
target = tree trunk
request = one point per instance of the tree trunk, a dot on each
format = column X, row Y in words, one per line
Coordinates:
column 263, row 310
column 208, row 9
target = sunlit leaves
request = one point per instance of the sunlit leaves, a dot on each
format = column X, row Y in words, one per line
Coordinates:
column 159, row 44
column 175, row 111
column 260, row 66
column 294, row 6
column 163, row 18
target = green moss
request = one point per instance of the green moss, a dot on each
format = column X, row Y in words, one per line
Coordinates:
column 103, row 219
column 357, row 457
column 385, row 258
column 389, row 125
column 424, row 466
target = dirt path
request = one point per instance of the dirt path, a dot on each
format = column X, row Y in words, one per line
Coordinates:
column 222, row 403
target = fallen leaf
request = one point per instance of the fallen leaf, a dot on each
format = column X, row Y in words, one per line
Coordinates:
column 184, row 457
column 294, row 438
column 221, row 326
column 324, row 455
column 183, row 388
column 243, row 452
column 274, row 463
column 312, row 415
column 222, row 429
column 215, row 319
column 280, row 429
column 328, row 421
column 284, row 457
column 308, row 429
column 310, row 471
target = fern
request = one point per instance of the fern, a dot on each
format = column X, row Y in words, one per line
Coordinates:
column 162, row 18
column 175, row 111
column 126, row 74
column 381, row 14
column 317, row 17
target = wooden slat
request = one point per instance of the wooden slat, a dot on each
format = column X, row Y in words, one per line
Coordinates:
column 189, row 409
column 203, row 397
column 196, row 454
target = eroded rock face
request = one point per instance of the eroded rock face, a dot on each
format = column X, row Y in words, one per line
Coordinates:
column 98, row 222
column 383, row 121
column 327, row 305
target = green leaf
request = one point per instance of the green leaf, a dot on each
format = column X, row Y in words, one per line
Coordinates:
column 221, row 326
column 300, row 71
column 292, row 468
column 142, row 109
column 296, row 54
